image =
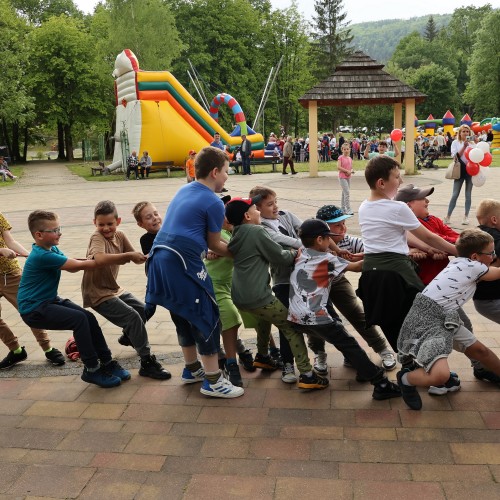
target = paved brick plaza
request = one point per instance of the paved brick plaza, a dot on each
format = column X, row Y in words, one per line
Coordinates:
column 61, row 438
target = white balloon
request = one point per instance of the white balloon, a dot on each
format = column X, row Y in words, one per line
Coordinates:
column 479, row 179
column 476, row 155
column 484, row 170
column 483, row 146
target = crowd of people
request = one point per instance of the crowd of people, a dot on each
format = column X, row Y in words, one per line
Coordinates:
column 211, row 262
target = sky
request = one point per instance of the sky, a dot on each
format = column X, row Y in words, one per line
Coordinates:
column 359, row 11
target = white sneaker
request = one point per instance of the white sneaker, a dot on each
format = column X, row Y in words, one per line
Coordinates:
column 320, row 365
column 465, row 221
column 189, row 377
column 388, row 360
column 446, row 220
column 288, row 375
column 221, row 389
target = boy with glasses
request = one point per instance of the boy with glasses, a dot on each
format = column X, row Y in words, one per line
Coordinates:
column 41, row 307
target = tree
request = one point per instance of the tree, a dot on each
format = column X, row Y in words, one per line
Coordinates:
column 431, row 31
column 67, row 88
column 17, row 104
column 331, row 34
column 38, row 11
column 483, row 90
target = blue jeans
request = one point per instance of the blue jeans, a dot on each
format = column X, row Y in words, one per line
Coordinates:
column 457, row 187
column 245, row 164
column 62, row 314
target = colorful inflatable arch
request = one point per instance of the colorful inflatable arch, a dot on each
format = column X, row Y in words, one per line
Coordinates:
column 160, row 116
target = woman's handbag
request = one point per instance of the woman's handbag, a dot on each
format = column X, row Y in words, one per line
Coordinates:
column 453, row 170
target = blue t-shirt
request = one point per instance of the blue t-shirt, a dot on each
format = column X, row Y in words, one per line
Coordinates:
column 194, row 211
column 40, row 278
column 217, row 145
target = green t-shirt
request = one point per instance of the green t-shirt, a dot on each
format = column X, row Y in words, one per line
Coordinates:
column 375, row 154
column 221, row 269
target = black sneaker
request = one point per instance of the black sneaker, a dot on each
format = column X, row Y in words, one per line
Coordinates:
column 152, row 369
column 55, row 357
column 12, row 359
column 313, row 381
column 275, row 353
column 390, row 390
column 265, row 363
column 451, row 385
column 246, row 360
column 114, row 368
column 409, row 392
column 124, row 340
column 100, row 378
column 232, row 372
column 487, row 376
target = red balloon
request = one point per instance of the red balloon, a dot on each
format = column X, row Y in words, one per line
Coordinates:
column 468, row 149
column 486, row 161
column 472, row 168
column 396, row 135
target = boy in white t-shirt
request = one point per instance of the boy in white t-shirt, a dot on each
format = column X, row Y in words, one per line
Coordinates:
column 433, row 328
column 385, row 224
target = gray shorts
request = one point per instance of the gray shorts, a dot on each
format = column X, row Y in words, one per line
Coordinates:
column 462, row 339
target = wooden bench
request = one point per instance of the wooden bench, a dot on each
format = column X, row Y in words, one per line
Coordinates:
column 254, row 162
column 97, row 170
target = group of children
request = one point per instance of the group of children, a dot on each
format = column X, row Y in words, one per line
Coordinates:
column 211, row 260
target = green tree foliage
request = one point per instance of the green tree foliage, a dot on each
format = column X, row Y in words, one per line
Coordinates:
column 38, row 11
column 331, row 34
column 64, row 81
column 483, row 90
column 17, row 104
column 431, row 31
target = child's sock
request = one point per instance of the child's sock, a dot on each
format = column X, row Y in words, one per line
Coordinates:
column 48, row 350
column 19, row 350
column 213, row 377
column 404, row 379
column 194, row 366
column 230, row 360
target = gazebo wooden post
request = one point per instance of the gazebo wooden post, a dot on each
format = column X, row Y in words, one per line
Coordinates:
column 313, row 138
column 409, row 136
column 398, row 123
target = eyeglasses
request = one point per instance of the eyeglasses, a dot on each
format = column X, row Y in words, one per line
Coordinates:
column 491, row 254
column 56, row 230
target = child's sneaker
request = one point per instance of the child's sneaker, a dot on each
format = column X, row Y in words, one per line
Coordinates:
column 114, row 368
column 152, row 369
column 55, row 356
column 451, row 385
column 409, row 392
column 388, row 360
column 232, row 373
column 12, row 359
column 221, row 389
column 288, row 374
column 386, row 390
column 275, row 354
column 189, row 377
column 320, row 365
column 246, row 359
column 265, row 362
column 100, row 378
column 313, row 381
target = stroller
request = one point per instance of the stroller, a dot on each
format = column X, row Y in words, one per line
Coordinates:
column 428, row 158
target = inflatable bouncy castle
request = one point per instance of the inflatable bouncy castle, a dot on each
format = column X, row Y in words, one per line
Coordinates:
column 155, row 113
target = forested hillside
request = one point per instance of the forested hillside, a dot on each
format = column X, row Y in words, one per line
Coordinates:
column 379, row 39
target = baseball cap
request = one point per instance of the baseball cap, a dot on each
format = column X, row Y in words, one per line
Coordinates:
column 238, row 207
column 410, row 192
column 191, row 152
column 331, row 214
column 311, row 228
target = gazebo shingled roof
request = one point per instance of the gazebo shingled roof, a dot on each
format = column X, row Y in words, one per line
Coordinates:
column 360, row 80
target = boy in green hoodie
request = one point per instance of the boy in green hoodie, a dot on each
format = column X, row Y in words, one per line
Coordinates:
column 253, row 251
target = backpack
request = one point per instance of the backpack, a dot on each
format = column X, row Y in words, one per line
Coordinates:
column 71, row 349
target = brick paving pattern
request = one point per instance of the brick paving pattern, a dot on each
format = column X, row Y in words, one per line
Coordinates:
column 61, row 438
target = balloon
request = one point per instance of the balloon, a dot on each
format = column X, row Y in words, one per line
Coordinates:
column 483, row 146
column 486, row 161
column 467, row 151
column 476, row 155
column 472, row 168
column 396, row 135
column 485, row 170
column 479, row 179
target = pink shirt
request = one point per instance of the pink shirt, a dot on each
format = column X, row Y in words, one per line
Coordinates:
column 345, row 162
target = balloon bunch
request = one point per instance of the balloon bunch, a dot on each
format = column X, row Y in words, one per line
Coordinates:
column 478, row 161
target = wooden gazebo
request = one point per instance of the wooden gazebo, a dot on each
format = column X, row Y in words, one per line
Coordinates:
column 360, row 80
